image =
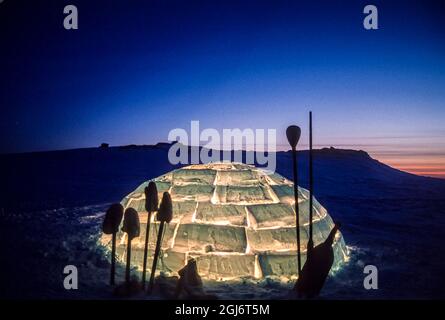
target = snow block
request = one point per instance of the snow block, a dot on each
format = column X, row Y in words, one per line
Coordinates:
column 236, row 219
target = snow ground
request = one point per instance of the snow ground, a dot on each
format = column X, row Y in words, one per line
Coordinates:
column 52, row 210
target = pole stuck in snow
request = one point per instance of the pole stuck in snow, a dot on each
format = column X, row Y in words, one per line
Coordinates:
column 112, row 220
column 311, row 184
column 165, row 215
column 319, row 259
column 132, row 227
column 293, row 134
column 151, row 205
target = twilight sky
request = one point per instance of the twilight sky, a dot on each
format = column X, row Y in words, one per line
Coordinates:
column 134, row 70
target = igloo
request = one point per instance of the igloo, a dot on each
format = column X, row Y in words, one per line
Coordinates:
column 236, row 220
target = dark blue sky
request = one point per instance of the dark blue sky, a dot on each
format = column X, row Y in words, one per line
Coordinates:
column 137, row 69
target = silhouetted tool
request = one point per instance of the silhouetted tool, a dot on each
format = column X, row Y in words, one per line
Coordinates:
column 112, row 220
column 151, row 205
column 189, row 280
column 132, row 228
column 316, row 269
column 165, row 215
column 311, row 185
column 319, row 260
column 293, row 134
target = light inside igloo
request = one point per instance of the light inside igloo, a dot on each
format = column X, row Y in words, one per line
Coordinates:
column 236, row 220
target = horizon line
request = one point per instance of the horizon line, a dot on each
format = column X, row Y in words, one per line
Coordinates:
column 414, row 170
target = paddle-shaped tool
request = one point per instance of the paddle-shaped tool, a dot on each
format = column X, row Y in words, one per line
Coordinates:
column 132, row 227
column 310, row 244
column 151, row 205
column 165, row 215
column 293, row 134
column 112, row 220
column 319, row 260
column 316, row 269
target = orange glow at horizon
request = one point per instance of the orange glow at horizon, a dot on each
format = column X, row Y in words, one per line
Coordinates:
column 418, row 162
column 422, row 155
column 419, row 166
column 424, row 158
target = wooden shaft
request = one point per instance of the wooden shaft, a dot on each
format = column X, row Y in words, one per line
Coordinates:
column 147, row 235
column 311, row 179
column 127, row 270
column 297, row 211
column 155, row 258
column 113, row 258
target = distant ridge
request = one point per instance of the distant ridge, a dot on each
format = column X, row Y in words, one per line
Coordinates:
column 54, row 179
column 167, row 145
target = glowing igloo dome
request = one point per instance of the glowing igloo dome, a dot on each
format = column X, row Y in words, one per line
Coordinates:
column 236, row 220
